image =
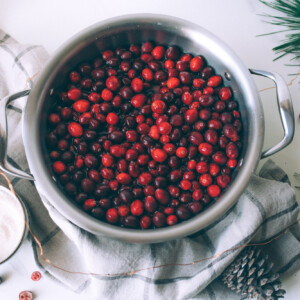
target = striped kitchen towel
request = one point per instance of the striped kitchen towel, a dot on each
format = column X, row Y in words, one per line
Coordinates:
column 265, row 209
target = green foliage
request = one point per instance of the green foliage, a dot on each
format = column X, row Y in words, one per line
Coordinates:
column 291, row 24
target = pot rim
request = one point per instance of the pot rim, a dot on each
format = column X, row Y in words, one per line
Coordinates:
column 49, row 190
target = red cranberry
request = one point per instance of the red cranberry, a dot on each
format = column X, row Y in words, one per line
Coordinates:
column 196, row 64
column 138, row 100
column 206, row 100
column 185, row 184
column 25, row 295
column 183, row 212
column 214, row 124
column 219, row 158
column 207, row 72
column 191, row 116
column 66, row 113
column 150, row 204
column 158, row 52
column 137, row 208
column 173, row 82
column 214, row 81
column 158, row 106
column 159, row 219
column 197, row 194
column 91, row 161
column 112, row 216
column 232, row 150
column 164, row 128
column 98, row 212
column 181, row 152
column 205, row 179
column 123, row 178
column 145, row 222
column 87, row 185
column 205, row 149
column 113, row 83
column 145, row 178
column 223, row 181
column 162, row 196
column 89, row 204
column 195, row 138
column 123, row 210
column 117, row 151
column 195, row 207
column 175, row 176
column 75, row 129
column 214, row 169
column 74, row 94
column 59, row 167
column 172, row 220
column 159, row 155
column 36, row 276
column 173, row 53
column 112, row 118
column 213, row 190
column 230, row 132
column 211, row 136
column 107, row 173
column 231, row 163
column 170, row 148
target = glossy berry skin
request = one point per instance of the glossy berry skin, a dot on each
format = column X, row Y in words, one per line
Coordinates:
column 213, row 190
column 205, row 180
column 123, row 178
column 144, row 136
column 158, row 106
column 74, row 94
column 159, row 219
column 112, row 216
column 113, row 83
column 172, row 220
column 112, row 118
column 75, row 129
column 196, row 64
column 59, row 167
column 225, row 93
column 214, row 81
column 137, row 208
column 205, row 149
column 159, row 155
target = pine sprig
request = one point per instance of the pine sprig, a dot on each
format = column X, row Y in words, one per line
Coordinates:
column 291, row 22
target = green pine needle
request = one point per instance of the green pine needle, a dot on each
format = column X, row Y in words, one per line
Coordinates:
column 291, row 20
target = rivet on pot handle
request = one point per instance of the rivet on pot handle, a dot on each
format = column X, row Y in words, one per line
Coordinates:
column 285, row 106
column 4, row 164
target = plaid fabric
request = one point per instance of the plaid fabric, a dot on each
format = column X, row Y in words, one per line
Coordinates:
column 267, row 207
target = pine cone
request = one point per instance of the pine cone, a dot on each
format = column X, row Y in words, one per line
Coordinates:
column 251, row 274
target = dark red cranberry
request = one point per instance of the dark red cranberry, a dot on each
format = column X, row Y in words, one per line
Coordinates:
column 159, row 219
column 183, row 212
column 173, row 53
column 98, row 212
column 130, row 222
column 25, row 295
column 195, row 207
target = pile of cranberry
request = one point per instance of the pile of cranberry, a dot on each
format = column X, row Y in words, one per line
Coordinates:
column 144, row 137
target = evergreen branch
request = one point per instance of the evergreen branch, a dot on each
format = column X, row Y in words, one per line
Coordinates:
column 291, row 22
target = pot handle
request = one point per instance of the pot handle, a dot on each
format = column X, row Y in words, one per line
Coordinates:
column 4, row 164
column 285, row 107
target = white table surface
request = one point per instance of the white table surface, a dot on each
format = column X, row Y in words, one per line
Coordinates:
column 50, row 23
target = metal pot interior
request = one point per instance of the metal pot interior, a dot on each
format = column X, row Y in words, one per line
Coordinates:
column 137, row 29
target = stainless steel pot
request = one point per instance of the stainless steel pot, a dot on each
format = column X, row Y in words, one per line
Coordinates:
column 137, row 29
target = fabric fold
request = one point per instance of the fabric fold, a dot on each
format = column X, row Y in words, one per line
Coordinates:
column 265, row 209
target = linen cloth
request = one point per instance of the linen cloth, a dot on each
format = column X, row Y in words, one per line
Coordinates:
column 265, row 209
